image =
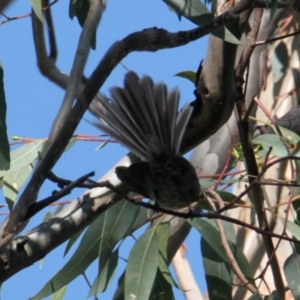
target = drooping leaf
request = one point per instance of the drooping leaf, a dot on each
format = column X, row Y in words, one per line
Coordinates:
column 142, row 217
column 293, row 228
column 273, row 8
column 190, row 75
column 217, row 273
column 193, row 10
column 89, row 247
column 115, row 227
column 292, row 274
column 196, row 12
column 142, row 266
column 84, row 255
column 256, row 296
column 119, row 293
column 103, row 280
column 278, row 63
column 4, row 145
column 224, row 34
column 71, row 143
column 59, row 208
column 59, row 295
column 162, row 289
column 72, row 241
column 163, row 231
column 13, row 182
column 37, row 8
column 24, row 156
column 47, row 216
column 271, row 140
column 102, row 145
column 212, row 237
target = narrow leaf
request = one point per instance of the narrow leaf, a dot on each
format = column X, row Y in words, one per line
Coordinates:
column 59, row 295
column 193, row 10
column 212, row 237
column 190, row 75
column 142, row 266
column 271, row 140
column 224, row 34
column 292, row 274
column 24, row 156
column 4, row 145
column 37, row 8
column 162, row 231
column 102, row 281
column 217, row 274
column 72, row 241
column 162, row 289
column 13, row 182
column 116, row 223
column 84, row 255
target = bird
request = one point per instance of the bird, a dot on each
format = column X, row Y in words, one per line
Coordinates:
column 144, row 117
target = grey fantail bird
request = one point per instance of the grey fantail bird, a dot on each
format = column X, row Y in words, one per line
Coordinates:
column 144, row 117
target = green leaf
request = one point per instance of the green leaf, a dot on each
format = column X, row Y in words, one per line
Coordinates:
column 212, row 237
column 273, row 7
column 293, row 228
column 89, row 247
column 72, row 241
column 142, row 266
column 4, row 145
column 162, row 289
column 115, row 227
column 142, row 218
column 224, row 34
column 163, row 231
column 37, row 8
column 292, row 274
column 102, row 145
column 59, row 294
column 116, row 223
column 84, row 255
column 71, row 9
column 217, row 273
column 193, row 10
column 257, row 297
column 24, row 156
column 278, row 62
column 13, row 182
column 271, row 140
column 190, row 75
column 102, row 281
column 59, row 208
column 71, row 143
column 47, row 216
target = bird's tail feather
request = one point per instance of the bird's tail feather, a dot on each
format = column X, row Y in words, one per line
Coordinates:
column 143, row 117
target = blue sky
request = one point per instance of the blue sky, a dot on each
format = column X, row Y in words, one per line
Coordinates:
column 33, row 102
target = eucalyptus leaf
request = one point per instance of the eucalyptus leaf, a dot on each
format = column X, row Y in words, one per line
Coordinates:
column 190, row 75
column 84, row 255
column 23, row 156
column 193, row 10
column 103, row 280
column 142, row 266
column 13, row 182
column 292, row 274
column 37, row 8
column 4, row 145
